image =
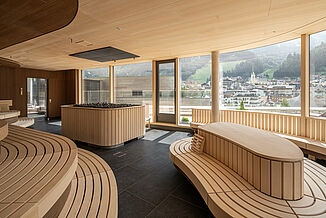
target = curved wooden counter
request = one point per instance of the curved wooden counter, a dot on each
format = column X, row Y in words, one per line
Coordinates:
column 103, row 126
column 270, row 163
column 3, row 129
column 35, row 169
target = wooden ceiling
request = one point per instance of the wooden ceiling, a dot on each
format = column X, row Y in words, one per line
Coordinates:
column 159, row 29
column 24, row 20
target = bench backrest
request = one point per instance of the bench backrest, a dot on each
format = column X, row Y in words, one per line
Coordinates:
column 201, row 116
column 4, row 105
column 278, row 177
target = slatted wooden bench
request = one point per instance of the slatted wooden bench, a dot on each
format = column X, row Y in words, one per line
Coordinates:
column 93, row 190
column 3, row 129
column 222, row 177
column 12, row 116
column 37, row 169
column 310, row 146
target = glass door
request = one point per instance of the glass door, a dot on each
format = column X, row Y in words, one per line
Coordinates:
column 37, row 95
column 166, row 91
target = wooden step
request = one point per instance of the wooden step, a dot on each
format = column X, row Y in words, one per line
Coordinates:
column 9, row 114
column 23, row 122
column 93, row 190
column 3, row 129
column 35, row 169
column 228, row 194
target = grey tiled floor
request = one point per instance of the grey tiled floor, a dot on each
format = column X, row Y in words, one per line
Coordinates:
column 148, row 183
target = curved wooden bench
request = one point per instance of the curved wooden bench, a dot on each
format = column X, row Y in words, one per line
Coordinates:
column 271, row 164
column 35, row 169
column 228, row 194
column 3, row 129
column 9, row 114
column 23, row 122
column 93, row 190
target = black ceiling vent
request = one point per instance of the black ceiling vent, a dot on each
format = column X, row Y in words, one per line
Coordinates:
column 104, row 54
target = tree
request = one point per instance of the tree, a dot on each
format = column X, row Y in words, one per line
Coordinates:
column 242, row 107
column 285, row 103
column 291, row 67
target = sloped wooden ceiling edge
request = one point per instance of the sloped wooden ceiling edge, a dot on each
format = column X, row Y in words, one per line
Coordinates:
column 5, row 62
column 24, row 20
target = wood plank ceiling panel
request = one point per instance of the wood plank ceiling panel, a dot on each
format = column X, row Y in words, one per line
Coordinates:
column 24, row 20
column 166, row 29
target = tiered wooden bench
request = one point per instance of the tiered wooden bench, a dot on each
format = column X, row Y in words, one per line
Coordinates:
column 93, row 190
column 35, row 169
column 236, row 178
column 39, row 171
column 12, row 116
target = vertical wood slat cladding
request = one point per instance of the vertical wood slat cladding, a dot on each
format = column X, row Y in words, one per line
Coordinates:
column 280, row 179
column 311, row 127
column 60, row 87
column 103, row 127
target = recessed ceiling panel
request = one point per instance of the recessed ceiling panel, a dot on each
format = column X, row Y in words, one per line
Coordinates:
column 105, row 54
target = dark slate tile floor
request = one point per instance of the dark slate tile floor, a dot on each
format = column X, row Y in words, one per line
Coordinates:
column 148, row 183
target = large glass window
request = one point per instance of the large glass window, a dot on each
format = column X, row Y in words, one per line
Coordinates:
column 265, row 79
column 133, row 84
column 95, row 85
column 318, row 74
column 195, row 85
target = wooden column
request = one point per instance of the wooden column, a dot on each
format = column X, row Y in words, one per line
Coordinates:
column 215, row 86
column 111, row 84
column 177, row 91
column 305, row 72
column 78, row 87
column 154, row 90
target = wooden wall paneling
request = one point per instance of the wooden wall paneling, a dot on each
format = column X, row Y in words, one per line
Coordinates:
column 250, row 169
column 288, row 181
column 14, row 79
column 256, row 171
column 244, row 164
column 235, row 157
column 265, row 172
column 223, row 151
column 240, row 163
column 297, row 180
column 103, row 127
column 276, row 175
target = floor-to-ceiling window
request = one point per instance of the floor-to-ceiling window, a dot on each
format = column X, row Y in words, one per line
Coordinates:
column 95, row 85
column 133, row 84
column 318, row 74
column 195, row 85
column 265, row 79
